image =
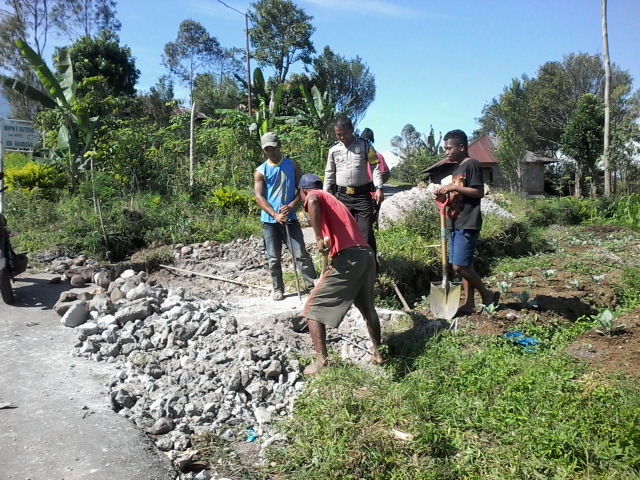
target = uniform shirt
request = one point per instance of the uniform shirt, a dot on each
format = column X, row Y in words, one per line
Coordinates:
column 349, row 166
column 337, row 223
column 280, row 185
column 464, row 212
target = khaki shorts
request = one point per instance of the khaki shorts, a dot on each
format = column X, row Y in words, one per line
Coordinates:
column 349, row 280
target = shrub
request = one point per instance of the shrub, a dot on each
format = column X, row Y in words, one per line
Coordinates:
column 229, row 198
column 36, row 179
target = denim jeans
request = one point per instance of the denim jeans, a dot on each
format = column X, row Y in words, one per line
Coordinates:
column 275, row 235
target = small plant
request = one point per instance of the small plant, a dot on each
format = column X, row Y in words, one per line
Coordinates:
column 524, row 300
column 607, row 321
column 529, row 282
column 510, row 275
column 598, row 278
column 547, row 274
column 575, row 283
column 504, row 287
column 491, row 309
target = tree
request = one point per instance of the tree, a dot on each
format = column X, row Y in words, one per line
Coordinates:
column 103, row 56
column 193, row 50
column 30, row 20
column 417, row 151
column 551, row 97
column 211, row 93
column 85, row 18
column 159, row 102
column 351, row 83
column 583, row 139
column 76, row 127
column 281, row 35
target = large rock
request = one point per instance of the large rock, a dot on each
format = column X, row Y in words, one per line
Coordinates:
column 76, row 315
column 133, row 313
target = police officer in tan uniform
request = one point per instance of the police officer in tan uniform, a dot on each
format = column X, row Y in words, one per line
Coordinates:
column 346, row 175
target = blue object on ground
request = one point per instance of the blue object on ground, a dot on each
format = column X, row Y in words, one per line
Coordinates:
column 251, row 434
column 530, row 344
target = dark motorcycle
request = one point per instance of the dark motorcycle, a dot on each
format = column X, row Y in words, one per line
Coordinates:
column 11, row 264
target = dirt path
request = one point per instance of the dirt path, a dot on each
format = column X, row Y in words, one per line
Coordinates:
column 62, row 426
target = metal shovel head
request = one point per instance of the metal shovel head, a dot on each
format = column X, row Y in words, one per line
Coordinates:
column 444, row 299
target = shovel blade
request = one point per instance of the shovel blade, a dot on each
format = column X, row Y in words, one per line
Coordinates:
column 444, row 300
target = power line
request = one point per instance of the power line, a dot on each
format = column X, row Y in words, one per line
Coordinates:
column 231, row 8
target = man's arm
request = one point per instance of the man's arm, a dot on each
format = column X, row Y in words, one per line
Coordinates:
column 259, row 187
column 472, row 192
column 329, row 173
column 314, row 213
column 296, row 200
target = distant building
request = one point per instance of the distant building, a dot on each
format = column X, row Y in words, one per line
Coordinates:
column 484, row 149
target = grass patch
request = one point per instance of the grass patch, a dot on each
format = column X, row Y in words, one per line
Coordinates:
column 474, row 408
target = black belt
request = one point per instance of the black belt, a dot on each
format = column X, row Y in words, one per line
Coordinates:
column 367, row 187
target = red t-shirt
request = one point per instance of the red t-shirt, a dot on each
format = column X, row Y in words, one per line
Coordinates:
column 337, row 223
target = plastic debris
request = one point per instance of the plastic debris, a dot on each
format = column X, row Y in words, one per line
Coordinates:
column 530, row 344
column 251, row 434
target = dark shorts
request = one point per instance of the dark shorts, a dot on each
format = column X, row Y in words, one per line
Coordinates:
column 349, row 280
column 462, row 245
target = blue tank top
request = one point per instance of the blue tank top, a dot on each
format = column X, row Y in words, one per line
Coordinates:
column 280, row 183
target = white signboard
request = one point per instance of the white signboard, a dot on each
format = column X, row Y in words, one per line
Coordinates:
column 18, row 135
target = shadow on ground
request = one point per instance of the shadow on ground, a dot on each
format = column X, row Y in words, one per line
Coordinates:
column 37, row 292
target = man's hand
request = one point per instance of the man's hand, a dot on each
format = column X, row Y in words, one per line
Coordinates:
column 281, row 218
column 285, row 210
column 323, row 247
column 379, row 195
column 444, row 189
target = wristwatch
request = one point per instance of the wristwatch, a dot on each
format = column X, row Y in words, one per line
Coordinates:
column 379, row 188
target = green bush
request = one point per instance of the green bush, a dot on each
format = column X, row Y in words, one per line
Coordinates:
column 36, row 179
column 229, row 198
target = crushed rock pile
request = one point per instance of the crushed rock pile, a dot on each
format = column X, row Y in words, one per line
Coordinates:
column 186, row 365
column 396, row 208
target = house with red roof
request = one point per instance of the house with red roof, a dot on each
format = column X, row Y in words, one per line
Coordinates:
column 484, row 149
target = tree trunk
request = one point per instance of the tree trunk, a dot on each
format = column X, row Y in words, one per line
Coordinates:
column 578, row 181
column 607, row 102
column 192, row 144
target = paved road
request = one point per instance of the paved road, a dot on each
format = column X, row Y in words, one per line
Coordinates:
column 62, row 426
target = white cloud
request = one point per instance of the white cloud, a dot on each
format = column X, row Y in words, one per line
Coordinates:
column 372, row 6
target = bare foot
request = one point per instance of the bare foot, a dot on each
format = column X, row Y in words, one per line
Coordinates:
column 377, row 358
column 315, row 368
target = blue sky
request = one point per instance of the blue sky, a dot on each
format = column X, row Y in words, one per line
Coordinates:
column 436, row 62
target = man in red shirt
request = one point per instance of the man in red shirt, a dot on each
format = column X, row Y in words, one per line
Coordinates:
column 350, row 277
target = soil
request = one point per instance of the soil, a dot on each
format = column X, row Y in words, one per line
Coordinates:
column 582, row 280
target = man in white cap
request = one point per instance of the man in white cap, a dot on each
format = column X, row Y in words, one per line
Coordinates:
column 274, row 183
column 350, row 278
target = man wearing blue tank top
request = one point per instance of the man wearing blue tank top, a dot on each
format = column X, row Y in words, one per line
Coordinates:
column 274, row 183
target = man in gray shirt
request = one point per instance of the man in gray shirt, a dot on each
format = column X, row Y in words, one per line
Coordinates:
column 347, row 176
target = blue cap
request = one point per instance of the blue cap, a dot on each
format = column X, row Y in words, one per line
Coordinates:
column 309, row 181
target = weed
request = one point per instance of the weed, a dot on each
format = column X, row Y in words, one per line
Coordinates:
column 598, row 278
column 529, row 282
column 547, row 274
column 575, row 284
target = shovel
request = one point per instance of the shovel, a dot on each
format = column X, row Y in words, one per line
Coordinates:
column 444, row 296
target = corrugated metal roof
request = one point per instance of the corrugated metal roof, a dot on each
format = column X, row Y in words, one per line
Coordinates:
column 483, row 149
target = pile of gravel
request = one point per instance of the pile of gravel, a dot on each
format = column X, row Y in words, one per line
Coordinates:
column 186, row 365
column 394, row 209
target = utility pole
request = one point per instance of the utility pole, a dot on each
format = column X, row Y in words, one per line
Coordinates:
column 607, row 102
column 246, row 32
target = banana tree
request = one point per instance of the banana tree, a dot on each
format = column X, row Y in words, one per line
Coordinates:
column 320, row 111
column 268, row 104
column 76, row 127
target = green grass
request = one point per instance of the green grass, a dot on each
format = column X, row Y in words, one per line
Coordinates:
column 476, row 408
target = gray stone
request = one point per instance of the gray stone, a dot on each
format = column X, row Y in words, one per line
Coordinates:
column 102, row 304
column 163, row 425
column 123, row 398
column 132, row 313
column 164, row 443
column 88, row 329
column 273, row 370
column 262, row 415
column 141, row 291
column 76, row 315
column 103, row 278
column 116, row 294
column 127, row 274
